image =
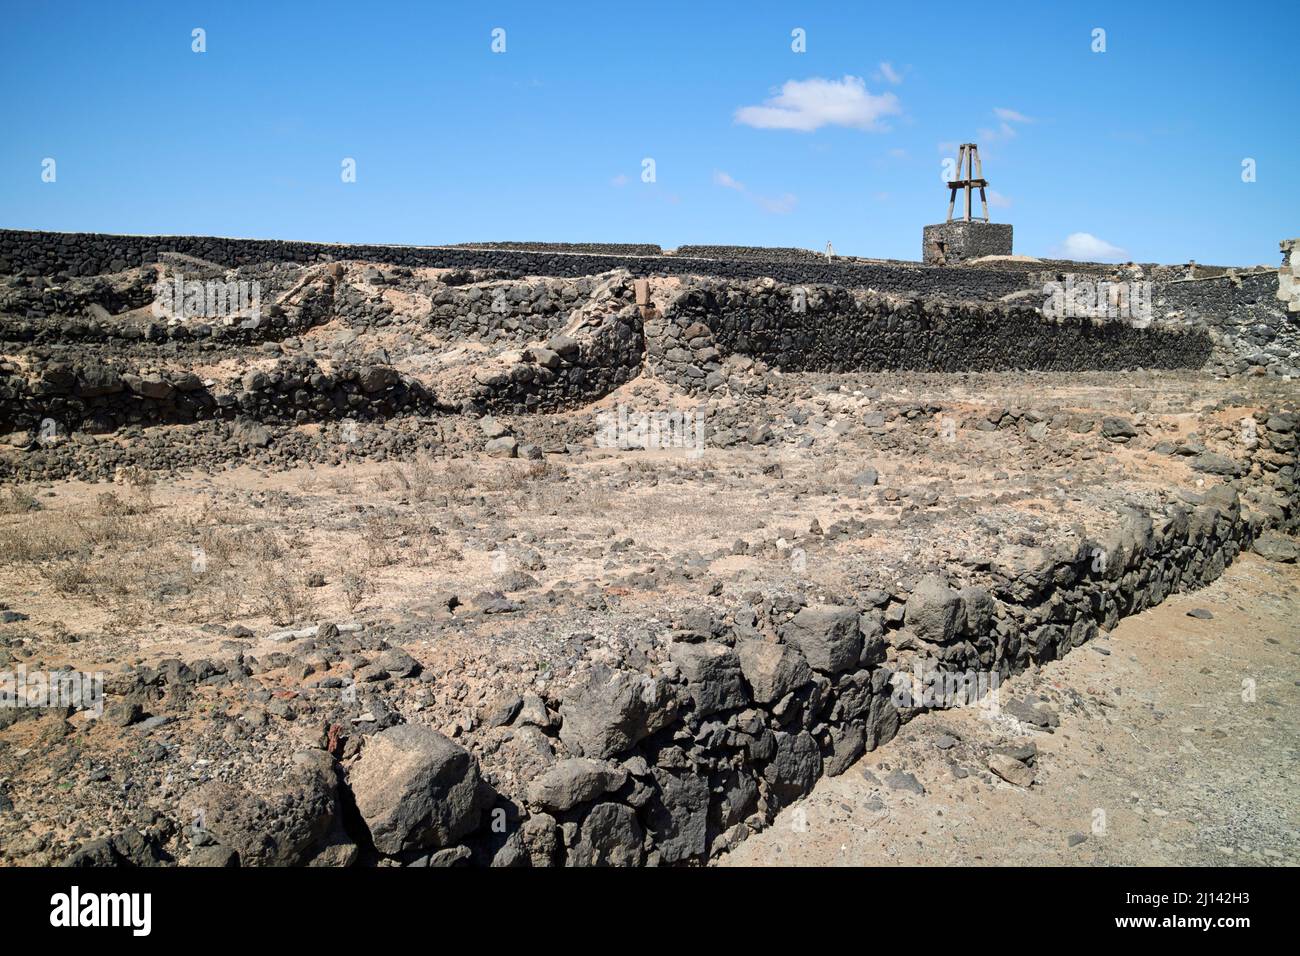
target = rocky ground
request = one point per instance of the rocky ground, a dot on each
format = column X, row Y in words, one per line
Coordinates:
column 401, row 629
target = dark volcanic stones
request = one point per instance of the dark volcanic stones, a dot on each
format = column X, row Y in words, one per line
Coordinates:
column 415, row 789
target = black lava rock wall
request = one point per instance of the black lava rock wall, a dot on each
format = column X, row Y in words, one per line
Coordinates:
column 829, row 329
column 736, row 727
column 99, row 397
column 85, row 254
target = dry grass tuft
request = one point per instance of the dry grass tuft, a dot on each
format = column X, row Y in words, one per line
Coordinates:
column 18, row 501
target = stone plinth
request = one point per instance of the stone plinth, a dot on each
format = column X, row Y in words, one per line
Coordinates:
column 947, row 243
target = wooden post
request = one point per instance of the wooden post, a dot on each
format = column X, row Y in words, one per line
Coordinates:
column 968, row 180
column 969, row 157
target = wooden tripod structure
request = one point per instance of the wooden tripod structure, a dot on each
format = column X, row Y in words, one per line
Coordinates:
column 969, row 156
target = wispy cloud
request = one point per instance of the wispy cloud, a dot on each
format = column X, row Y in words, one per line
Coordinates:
column 1010, row 116
column 887, row 73
column 999, row 201
column 778, row 205
column 807, row 105
column 1005, row 130
column 1085, row 246
column 619, row 180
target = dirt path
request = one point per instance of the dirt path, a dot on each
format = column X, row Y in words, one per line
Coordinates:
column 1178, row 744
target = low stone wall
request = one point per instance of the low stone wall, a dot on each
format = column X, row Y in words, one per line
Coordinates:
column 581, row 338
column 25, row 306
column 566, row 371
column 752, row 253
column 37, row 320
column 85, row 254
column 812, row 328
column 98, row 397
column 36, row 253
column 828, row 329
column 596, row 248
column 598, row 352
column 1251, row 323
column 685, row 756
column 508, row 309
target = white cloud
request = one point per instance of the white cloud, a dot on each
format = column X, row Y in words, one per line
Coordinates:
column 889, row 74
column 999, row 201
column 780, row 205
column 619, row 180
column 1010, row 116
column 724, row 179
column 1005, row 130
column 1087, row 247
column 806, row 105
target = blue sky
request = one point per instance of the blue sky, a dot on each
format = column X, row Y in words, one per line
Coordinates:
column 1139, row 147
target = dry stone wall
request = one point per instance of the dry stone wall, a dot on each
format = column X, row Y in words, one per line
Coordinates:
column 837, row 330
column 601, row 346
column 39, row 314
column 58, row 398
column 753, row 253
column 85, row 254
column 507, row 309
column 596, row 248
column 1251, row 324
column 715, row 328
column 683, row 757
column 1244, row 309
